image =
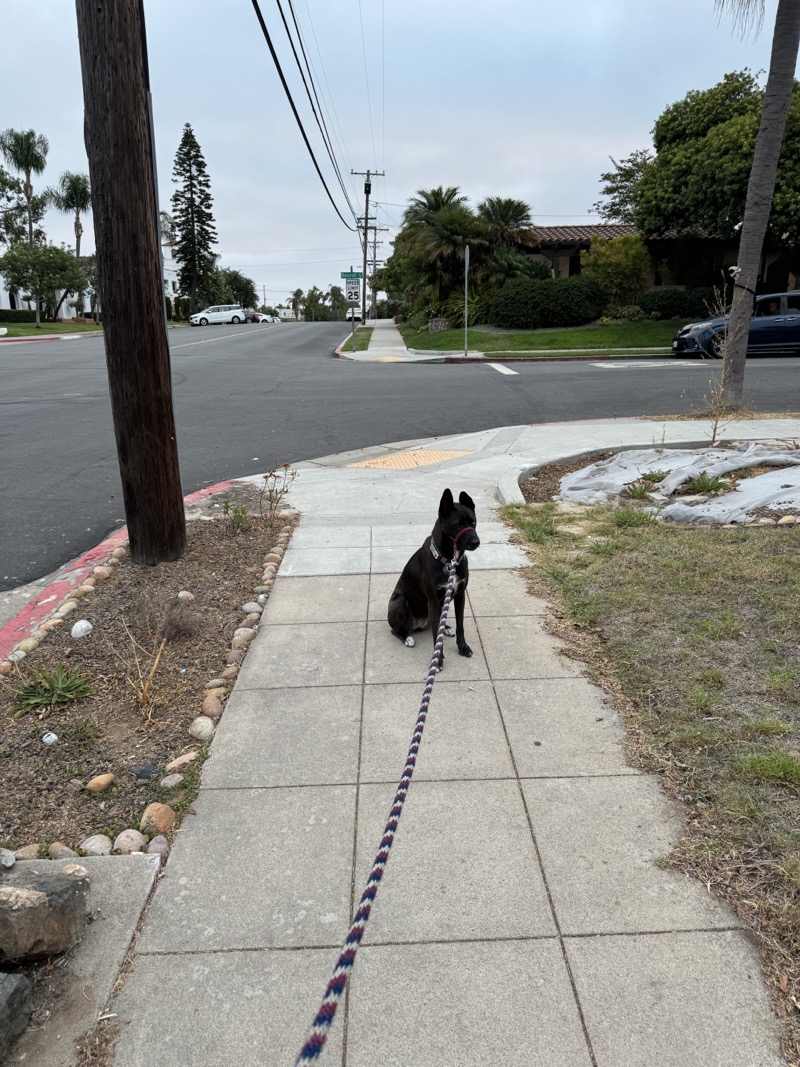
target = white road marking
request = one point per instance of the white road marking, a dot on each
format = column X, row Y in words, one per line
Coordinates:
column 503, row 370
column 625, row 364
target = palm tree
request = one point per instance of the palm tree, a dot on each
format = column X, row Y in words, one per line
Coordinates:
column 428, row 202
column 73, row 196
column 297, row 301
column 761, row 186
column 26, row 151
column 507, row 221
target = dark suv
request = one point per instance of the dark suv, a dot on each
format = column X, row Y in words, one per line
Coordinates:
column 775, row 327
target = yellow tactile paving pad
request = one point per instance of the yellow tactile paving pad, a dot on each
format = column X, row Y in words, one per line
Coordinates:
column 404, row 461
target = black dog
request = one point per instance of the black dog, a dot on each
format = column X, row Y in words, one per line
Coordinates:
column 418, row 597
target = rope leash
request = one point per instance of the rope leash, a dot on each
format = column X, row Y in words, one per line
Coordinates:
column 323, row 1020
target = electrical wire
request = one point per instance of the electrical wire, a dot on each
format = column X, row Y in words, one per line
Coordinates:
column 366, row 83
column 276, row 61
column 314, row 109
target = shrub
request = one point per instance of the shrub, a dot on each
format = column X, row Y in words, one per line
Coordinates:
column 628, row 314
column 530, row 305
column 168, row 302
column 7, row 315
column 677, row 303
column 619, row 266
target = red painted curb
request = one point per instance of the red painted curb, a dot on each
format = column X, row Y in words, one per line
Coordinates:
column 71, row 576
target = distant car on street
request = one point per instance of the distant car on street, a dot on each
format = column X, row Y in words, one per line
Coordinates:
column 218, row 313
column 250, row 315
column 774, row 327
column 353, row 315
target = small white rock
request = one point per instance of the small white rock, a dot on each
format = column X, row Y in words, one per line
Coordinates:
column 202, row 729
column 96, row 845
column 82, row 628
column 184, row 594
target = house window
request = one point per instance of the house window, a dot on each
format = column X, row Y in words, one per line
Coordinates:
column 174, row 286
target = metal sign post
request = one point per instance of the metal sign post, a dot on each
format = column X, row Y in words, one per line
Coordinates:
column 351, row 278
column 466, row 302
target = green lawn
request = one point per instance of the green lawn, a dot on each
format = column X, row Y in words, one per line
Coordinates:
column 28, row 329
column 695, row 630
column 363, row 338
column 634, row 335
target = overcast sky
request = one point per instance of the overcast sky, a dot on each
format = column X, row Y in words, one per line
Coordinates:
column 519, row 98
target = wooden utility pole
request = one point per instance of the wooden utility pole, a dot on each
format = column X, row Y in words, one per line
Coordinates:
column 119, row 145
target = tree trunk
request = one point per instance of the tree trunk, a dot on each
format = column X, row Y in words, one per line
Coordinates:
column 119, row 147
column 78, row 235
column 29, row 197
column 760, row 191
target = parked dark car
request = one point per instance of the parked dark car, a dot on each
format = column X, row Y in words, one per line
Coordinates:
column 250, row 315
column 775, row 327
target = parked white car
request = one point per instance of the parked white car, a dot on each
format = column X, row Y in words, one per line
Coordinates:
column 353, row 315
column 218, row 313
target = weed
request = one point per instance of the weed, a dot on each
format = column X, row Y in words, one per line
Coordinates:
column 277, row 484
column 782, row 679
column 712, row 676
column 537, row 522
column 638, row 490
column 723, row 626
column 625, row 518
column 767, row 727
column 654, row 477
column 774, row 766
column 236, row 514
column 605, row 546
column 709, row 484
column 44, row 690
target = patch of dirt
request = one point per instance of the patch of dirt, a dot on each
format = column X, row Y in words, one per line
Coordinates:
column 545, row 482
column 136, row 620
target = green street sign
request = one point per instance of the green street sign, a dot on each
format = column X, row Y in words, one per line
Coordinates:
column 352, row 274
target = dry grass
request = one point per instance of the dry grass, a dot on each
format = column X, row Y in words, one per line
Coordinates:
column 697, row 632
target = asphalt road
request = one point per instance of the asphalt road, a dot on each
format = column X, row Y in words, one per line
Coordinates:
column 247, row 398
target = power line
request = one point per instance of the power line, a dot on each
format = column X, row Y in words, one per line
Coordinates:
column 366, row 80
column 275, row 60
column 314, row 109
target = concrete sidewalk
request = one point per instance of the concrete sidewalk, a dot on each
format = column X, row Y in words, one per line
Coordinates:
column 523, row 918
column 387, row 346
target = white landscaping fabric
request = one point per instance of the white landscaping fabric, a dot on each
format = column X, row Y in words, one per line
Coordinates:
column 780, row 489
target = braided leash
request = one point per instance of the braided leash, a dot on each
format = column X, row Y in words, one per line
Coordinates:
column 323, row 1020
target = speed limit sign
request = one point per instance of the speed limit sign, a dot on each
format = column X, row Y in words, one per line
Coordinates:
column 352, row 291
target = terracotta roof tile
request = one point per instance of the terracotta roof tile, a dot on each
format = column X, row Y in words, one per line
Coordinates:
column 569, row 234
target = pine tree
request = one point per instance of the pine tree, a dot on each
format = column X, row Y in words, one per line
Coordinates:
column 195, row 232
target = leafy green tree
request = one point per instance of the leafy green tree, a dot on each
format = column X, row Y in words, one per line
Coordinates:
column 195, row 231
column 618, row 266
column 25, row 151
column 698, row 180
column 620, row 185
column 41, row 270
column 167, row 223
column 296, row 302
column 73, row 196
column 338, row 302
column 428, row 202
column 14, row 212
column 242, row 288
column 764, row 191
column 315, row 307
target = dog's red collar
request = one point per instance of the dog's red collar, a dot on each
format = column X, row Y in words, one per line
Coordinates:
column 438, row 555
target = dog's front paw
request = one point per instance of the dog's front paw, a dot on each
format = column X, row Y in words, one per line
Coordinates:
column 449, row 631
column 409, row 642
column 464, row 650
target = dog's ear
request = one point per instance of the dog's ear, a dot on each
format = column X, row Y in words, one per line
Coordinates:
column 446, row 504
column 467, row 501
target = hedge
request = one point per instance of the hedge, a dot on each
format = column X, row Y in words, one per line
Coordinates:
column 678, row 303
column 530, row 304
column 6, row 315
